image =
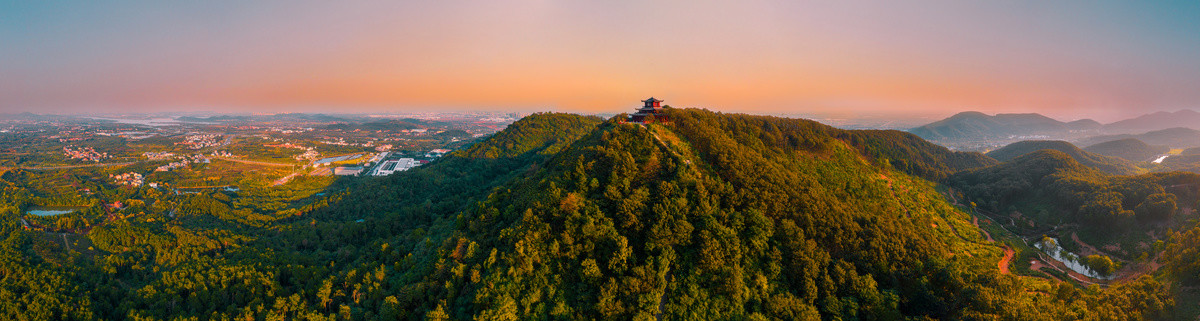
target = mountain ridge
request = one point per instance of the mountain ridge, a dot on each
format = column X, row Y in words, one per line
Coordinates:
column 973, row 125
column 1111, row 165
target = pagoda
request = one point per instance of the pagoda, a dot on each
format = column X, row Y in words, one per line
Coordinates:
column 651, row 112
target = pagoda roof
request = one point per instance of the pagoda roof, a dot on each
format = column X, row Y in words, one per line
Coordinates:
column 652, row 100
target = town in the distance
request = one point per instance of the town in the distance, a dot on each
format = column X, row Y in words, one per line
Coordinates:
column 190, row 152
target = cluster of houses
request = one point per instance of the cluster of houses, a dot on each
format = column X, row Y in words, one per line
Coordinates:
column 157, row 156
column 130, row 179
column 201, row 141
column 291, row 130
column 308, row 155
column 194, row 159
column 84, row 153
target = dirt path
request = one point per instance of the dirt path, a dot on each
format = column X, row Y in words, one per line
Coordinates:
column 1037, row 265
column 1003, row 264
column 975, row 221
column 1086, row 249
column 1008, row 251
column 1059, row 266
column 284, row 179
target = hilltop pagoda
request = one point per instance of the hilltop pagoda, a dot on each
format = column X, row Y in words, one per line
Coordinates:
column 651, row 112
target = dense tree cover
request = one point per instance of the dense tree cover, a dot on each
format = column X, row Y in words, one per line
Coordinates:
column 1111, row 165
column 1129, row 149
column 1183, row 162
column 1054, row 179
column 542, row 133
column 1100, row 264
column 713, row 216
column 1157, row 207
column 913, row 155
column 1182, row 257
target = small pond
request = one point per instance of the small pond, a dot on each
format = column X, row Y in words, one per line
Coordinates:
column 1071, row 260
column 52, row 210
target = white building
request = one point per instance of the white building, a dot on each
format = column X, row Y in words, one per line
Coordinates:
column 397, row 165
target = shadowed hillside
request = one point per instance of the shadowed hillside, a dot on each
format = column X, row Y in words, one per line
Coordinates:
column 1129, row 149
column 976, row 126
column 1103, row 163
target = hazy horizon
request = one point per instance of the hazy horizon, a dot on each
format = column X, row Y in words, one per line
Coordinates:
column 1100, row 60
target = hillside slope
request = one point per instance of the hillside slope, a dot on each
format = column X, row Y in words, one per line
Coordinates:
column 715, row 217
column 1103, row 163
column 1129, row 149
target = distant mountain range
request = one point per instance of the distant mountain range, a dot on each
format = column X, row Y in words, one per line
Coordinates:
column 1173, row 137
column 1161, row 120
column 975, row 126
column 393, row 124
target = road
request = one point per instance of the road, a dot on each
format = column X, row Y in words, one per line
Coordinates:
column 255, row 162
column 76, row 166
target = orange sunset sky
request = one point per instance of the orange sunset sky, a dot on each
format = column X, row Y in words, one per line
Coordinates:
column 1067, row 59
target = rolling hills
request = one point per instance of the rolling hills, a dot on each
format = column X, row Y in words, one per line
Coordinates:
column 1185, row 118
column 1107, row 164
column 1178, row 137
column 1129, row 149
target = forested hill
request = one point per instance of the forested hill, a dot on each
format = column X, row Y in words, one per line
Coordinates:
column 710, row 216
column 702, row 218
column 912, row 154
column 452, row 182
column 1129, row 149
column 1107, row 164
column 714, row 216
column 541, row 133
